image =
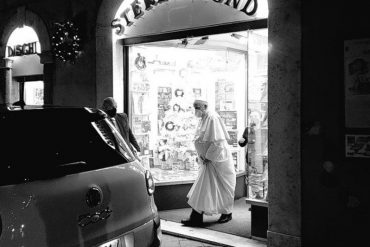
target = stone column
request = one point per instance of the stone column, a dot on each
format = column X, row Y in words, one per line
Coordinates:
column 5, row 80
column 47, row 59
column 284, row 93
column 104, row 63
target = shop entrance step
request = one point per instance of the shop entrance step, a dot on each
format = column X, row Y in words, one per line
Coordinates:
column 208, row 236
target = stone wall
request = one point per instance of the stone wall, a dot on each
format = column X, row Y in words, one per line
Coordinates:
column 335, row 204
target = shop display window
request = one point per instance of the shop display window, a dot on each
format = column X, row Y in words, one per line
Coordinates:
column 34, row 92
column 164, row 80
column 257, row 172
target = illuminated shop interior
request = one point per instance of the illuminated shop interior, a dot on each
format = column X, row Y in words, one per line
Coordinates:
column 23, row 48
column 229, row 71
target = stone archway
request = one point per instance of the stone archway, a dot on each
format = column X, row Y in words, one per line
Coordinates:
column 174, row 16
column 284, row 75
column 29, row 18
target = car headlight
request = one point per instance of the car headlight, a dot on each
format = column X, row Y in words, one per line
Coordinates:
column 150, row 185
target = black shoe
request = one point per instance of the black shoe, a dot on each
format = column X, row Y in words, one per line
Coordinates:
column 225, row 218
column 190, row 222
column 196, row 219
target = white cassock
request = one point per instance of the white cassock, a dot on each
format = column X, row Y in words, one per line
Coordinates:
column 213, row 190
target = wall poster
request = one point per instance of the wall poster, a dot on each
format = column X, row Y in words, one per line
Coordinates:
column 357, row 83
column 358, row 146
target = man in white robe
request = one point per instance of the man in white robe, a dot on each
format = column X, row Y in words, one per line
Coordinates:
column 213, row 190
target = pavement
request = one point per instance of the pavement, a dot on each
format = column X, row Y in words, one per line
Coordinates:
column 176, row 241
column 177, row 235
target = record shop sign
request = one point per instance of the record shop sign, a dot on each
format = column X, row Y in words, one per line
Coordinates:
column 138, row 8
column 20, row 50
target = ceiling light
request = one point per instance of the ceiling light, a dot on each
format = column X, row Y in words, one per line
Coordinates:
column 237, row 36
column 201, row 41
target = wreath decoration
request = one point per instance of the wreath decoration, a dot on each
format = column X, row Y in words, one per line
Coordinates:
column 170, row 126
column 179, row 93
column 176, row 108
column 140, row 62
column 66, row 41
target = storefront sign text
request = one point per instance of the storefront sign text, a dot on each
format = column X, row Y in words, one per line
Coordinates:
column 20, row 50
column 137, row 9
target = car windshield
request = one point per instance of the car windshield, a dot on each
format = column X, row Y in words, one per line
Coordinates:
column 42, row 144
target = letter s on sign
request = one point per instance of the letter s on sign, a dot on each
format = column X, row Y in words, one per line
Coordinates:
column 116, row 24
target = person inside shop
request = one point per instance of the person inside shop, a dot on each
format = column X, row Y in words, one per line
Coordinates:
column 213, row 190
column 120, row 121
column 20, row 103
column 248, row 137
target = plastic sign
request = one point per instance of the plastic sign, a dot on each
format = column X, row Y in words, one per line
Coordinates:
column 20, row 50
column 137, row 9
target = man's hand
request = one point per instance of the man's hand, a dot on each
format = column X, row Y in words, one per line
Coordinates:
column 135, row 154
column 205, row 161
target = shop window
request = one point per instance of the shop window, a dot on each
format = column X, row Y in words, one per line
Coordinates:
column 257, row 149
column 34, row 92
column 164, row 80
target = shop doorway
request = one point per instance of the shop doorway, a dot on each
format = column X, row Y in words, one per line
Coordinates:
column 23, row 48
column 230, row 71
column 145, row 24
column 31, row 89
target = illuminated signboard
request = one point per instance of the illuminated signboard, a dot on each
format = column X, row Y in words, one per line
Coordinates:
column 20, row 50
column 134, row 10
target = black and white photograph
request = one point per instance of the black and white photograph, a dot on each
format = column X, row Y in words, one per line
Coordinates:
column 184, row 123
column 358, row 146
column 357, row 83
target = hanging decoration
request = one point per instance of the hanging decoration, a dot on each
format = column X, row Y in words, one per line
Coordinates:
column 66, row 41
column 140, row 62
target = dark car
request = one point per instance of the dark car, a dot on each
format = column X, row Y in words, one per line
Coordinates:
column 67, row 178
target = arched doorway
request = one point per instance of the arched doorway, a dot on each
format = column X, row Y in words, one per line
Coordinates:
column 284, row 129
column 27, row 43
column 27, row 71
column 166, row 24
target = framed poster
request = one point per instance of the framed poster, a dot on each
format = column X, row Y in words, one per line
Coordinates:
column 357, row 146
column 230, row 119
column 233, row 141
column 357, row 83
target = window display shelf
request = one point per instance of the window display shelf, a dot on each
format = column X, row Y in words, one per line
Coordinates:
column 171, row 177
column 141, row 133
column 163, row 177
column 136, row 91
